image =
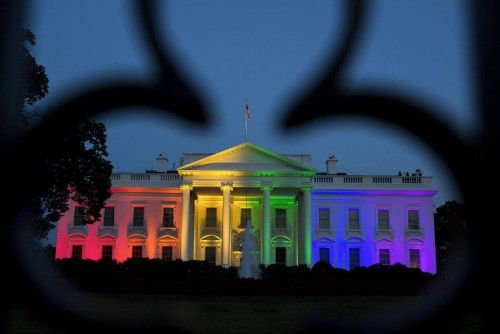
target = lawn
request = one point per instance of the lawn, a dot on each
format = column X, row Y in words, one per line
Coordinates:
column 237, row 314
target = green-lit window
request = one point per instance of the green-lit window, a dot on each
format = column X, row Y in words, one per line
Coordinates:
column 281, row 255
column 280, row 218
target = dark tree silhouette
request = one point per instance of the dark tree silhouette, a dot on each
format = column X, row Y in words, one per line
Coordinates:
column 451, row 228
column 78, row 170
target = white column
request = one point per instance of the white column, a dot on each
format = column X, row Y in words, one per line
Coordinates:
column 226, row 225
column 307, row 246
column 266, row 225
column 185, row 228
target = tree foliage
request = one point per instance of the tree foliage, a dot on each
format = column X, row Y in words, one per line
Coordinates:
column 451, row 227
column 78, row 170
column 35, row 81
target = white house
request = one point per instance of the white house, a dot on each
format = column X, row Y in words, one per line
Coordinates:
column 299, row 216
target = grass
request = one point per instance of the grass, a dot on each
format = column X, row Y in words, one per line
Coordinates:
column 237, row 314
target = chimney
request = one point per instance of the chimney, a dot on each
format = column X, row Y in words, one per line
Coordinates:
column 161, row 163
column 331, row 165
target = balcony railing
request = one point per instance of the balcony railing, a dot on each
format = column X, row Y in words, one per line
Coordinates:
column 145, row 178
column 373, row 181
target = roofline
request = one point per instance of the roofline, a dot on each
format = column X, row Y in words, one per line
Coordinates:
column 259, row 148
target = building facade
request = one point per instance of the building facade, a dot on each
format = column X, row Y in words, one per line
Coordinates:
column 298, row 216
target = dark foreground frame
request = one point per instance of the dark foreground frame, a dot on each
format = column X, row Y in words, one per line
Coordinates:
column 324, row 99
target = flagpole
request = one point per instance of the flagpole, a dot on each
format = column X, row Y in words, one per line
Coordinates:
column 245, row 114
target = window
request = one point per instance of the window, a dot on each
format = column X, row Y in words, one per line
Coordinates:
column 413, row 220
column 166, row 253
column 415, row 258
column 109, row 216
column 245, row 216
column 281, row 255
column 78, row 217
column 107, row 252
column 280, row 218
column 354, row 260
column 324, row 254
column 353, row 219
column 136, row 252
column 324, row 219
column 77, row 252
column 138, row 216
column 210, row 254
column 211, row 217
column 383, row 220
column 384, row 257
column 168, row 217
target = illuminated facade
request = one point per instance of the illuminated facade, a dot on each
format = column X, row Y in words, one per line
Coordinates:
column 298, row 216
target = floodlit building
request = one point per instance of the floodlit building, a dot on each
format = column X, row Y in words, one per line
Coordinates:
column 298, row 215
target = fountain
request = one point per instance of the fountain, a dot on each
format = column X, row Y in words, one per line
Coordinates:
column 249, row 265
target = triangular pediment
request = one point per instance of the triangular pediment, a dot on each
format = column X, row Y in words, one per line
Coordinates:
column 247, row 159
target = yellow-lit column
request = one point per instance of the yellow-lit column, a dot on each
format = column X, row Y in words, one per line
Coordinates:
column 185, row 230
column 306, row 224
column 266, row 225
column 226, row 225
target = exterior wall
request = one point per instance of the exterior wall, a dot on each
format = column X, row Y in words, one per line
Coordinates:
column 399, row 239
column 123, row 235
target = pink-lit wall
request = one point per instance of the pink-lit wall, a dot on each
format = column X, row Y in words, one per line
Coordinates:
column 121, row 237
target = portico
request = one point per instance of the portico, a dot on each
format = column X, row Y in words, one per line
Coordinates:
column 246, row 182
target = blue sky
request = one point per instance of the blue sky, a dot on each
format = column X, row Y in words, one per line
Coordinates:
column 266, row 51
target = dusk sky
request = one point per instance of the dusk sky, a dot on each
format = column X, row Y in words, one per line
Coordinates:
column 266, row 51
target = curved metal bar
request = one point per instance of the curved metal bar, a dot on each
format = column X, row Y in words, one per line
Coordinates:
column 183, row 98
column 330, row 81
